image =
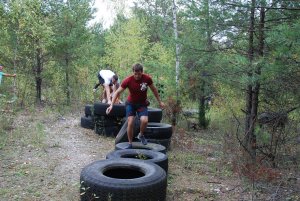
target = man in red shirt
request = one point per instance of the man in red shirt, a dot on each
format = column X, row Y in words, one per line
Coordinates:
column 137, row 102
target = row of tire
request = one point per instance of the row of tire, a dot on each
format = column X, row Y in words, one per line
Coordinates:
column 129, row 174
column 115, row 124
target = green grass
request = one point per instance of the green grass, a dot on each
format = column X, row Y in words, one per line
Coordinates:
column 189, row 160
column 3, row 140
column 202, row 141
column 31, row 133
column 6, row 122
column 38, row 134
column 4, row 191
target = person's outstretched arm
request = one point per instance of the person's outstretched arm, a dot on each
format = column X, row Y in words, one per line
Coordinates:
column 9, row 75
column 115, row 96
column 155, row 92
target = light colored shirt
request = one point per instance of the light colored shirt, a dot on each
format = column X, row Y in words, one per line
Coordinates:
column 107, row 76
column 1, row 75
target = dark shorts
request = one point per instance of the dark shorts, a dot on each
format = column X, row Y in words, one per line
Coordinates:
column 133, row 109
column 101, row 80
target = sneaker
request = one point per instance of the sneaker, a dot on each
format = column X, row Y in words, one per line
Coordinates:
column 129, row 146
column 142, row 139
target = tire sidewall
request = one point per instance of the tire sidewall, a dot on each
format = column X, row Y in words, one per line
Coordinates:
column 138, row 145
column 155, row 157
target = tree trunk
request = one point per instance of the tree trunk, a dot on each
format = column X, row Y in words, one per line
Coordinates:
column 177, row 54
column 203, row 123
column 251, row 97
column 68, row 93
column 38, row 75
column 256, row 89
column 202, row 108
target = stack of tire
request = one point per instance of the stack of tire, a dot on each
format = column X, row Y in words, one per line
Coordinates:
column 114, row 124
column 103, row 124
column 156, row 132
column 108, row 125
column 87, row 121
column 131, row 174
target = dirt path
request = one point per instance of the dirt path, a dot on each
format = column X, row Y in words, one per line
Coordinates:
column 48, row 170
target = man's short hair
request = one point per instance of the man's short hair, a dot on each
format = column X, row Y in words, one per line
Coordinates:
column 137, row 67
column 115, row 77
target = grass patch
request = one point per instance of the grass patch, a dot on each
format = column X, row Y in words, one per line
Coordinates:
column 34, row 135
column 4, row 191
column 38, row 134
column 188, row 160
column 28, row 179
column 201, row 141
column 6, row 122
column 3, row 140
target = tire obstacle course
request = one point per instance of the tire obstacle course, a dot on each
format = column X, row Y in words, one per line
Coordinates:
column 126, row 174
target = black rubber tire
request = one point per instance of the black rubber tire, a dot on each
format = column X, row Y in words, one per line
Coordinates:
column 164, row 142
column 142, row 154
column 118, row 110
column 122, row 134
column 158, row 131
column 99, row 130
column 123, row 180
column 108, row 131
column 111, row 131
column 154, row 114
column 139, row 145
column 89, row 110
column 107, row 121
column 87, row 122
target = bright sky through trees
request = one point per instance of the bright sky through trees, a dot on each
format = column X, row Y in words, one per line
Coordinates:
column 106, row 11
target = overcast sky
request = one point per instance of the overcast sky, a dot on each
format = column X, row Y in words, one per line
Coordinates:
column 106, row 12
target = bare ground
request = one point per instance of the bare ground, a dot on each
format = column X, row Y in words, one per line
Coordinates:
column 43, row 154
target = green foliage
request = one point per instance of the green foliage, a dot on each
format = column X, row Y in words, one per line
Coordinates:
column 47, row 42
column 213, row 38
column 282, row 71
column 262, row 136
column 130, row 36
column 71, row 39
column 159, row 63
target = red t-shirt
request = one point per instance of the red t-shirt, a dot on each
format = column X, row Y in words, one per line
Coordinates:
column 137, row 88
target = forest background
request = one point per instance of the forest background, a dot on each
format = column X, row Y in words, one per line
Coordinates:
column 234, row 62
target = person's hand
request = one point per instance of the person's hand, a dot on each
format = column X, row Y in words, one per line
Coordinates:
column 109, row 109
column 14, row 75
column 161, row 105
column 94, row 90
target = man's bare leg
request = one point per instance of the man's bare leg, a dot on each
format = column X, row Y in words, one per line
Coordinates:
column 143, row 126
column 130, row 128
column 144, row 123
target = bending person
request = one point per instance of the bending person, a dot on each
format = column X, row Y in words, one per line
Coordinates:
column 109, row 81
